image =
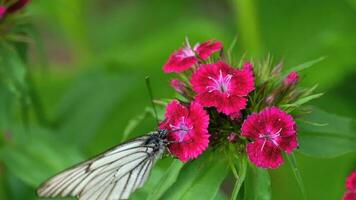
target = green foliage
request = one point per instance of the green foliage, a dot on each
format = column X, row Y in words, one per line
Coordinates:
column 199, row 179
column 327, row 135
column 167, row 180
column 258, row 184
column 36, row 149
column 98, row 55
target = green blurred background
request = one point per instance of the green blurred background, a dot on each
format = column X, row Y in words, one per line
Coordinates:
column 98, row 52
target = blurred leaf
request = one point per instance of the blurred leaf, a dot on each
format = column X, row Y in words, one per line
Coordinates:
column 220, row 196
column 89, row 103
column 35, row 155
column 199, row 179
column 248, row 24
column 12, row 69
column 336, row 138
column 167, row 180
column 133, row 123
column 293, row 163
column 258, row 184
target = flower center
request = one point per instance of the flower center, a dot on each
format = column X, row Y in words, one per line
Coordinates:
column 186, row 52
column 270, row 137
column 221, row 83
column 181, row 128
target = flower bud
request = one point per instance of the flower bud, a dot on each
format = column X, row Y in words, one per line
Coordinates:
column 270, row 100
column 178, row 85
column 232, row 137
column 291, row 79
column 276, row 71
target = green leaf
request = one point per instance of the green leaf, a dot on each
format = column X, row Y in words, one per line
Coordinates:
column 303, row 100
column 303, row 66
column 199, row 179
column 258, row 184
column 338, row 137
column 89, row 103
column 35, row 154
column 293, row 163
column 167, row 180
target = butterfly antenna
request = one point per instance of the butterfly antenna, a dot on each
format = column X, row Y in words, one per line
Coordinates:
column 148, row 84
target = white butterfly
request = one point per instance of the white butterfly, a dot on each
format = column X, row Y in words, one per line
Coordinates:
column 112, row 175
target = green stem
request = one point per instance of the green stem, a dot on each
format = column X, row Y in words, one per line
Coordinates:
column 293, row 163
column 247, row 25
column 241, row 179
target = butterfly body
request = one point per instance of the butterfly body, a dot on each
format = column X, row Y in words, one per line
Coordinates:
column 112, row 175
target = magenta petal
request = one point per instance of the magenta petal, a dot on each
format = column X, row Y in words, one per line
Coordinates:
column 180, row 60
column 252, row 126
column 232, row 104
column 288, row 143
column 350, row 195
column 207, row 48
column 264, row 154
column 351, row 181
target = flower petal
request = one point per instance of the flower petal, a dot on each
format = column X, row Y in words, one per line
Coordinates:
column 264, row 154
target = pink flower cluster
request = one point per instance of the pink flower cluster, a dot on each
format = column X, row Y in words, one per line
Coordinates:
column 213, row 87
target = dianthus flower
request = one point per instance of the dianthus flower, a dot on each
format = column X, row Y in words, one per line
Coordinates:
column 351, row 187
column 188, row 129
column 186, row 57
column 223, row 87
column 271, row 131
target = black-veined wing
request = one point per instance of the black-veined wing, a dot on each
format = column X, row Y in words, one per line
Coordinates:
column 114, row 174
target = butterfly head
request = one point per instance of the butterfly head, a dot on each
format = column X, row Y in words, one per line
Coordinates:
column 162, row 133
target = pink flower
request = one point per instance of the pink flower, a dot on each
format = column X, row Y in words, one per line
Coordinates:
column 178, row 85
column 291, row 79
column 351, row 186
column 188, row 128
column 272, row 132
column 2, row 11
column 223, row 87
column 184, row 58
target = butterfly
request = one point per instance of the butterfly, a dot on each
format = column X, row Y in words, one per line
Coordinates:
column 114, row 174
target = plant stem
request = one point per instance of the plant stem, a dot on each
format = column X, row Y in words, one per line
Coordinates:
column 247, row 25
column 241, row 178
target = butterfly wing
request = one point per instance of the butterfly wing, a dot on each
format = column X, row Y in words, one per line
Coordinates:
column 114, row 174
